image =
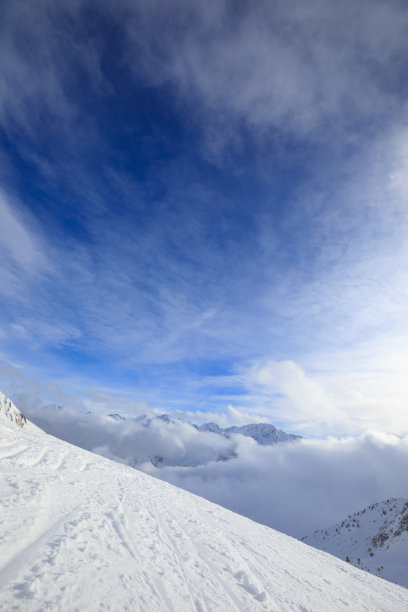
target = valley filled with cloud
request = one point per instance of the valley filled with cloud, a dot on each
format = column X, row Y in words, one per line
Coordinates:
column 295, row 487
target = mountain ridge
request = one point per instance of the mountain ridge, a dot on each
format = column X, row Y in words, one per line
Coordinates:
column 374, row 539
column 263, row 433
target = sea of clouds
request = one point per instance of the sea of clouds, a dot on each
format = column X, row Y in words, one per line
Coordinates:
column 293, row 487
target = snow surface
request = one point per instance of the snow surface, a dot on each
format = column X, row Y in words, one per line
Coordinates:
column 80, row 532
column 374, row 539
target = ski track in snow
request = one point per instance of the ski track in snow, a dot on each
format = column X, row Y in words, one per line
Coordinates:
column 79, row 532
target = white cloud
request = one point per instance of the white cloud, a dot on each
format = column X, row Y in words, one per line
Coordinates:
column 230, row 416
column 35, row 60
column 240, row 417
column 342, row 315
column 332, row 326
column 21, row 241
column 295, row 398
column 286, row 65
column 399, row 172
column 130, row 441
column 199, row 416
column 290, row 65
column 299, row 487
column 344, row 392
column 293, row 487
column 104, row 402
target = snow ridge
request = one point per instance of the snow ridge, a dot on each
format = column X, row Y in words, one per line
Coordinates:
column 374, row 539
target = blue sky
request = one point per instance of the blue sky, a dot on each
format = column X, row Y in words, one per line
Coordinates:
column 203, row 208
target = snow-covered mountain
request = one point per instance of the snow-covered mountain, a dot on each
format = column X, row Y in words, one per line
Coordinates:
column 10, row 413
column 80, row 532
column 145, row 419
column 157, row 439
column 374, row 539
column 263, row 433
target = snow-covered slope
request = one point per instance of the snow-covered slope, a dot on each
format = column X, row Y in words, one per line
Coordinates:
column 375, row 539
column 263, row 433
column 80, row 532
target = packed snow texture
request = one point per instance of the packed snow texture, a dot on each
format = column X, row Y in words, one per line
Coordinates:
column 81, row 532
column 375, row 539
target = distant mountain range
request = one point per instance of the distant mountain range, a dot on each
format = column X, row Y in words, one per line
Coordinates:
column 374, row 539
column 263, row 433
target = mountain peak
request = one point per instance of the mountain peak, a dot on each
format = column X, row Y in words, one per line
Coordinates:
column 10, row 413
column 263, row 433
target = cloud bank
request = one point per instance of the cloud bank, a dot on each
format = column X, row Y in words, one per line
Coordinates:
column 293, row 487
column 299, row 487
column 136, row 440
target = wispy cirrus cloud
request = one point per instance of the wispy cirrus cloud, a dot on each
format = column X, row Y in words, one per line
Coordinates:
column 340, row 319
column 42, row 57
column 285, row 66
column 21, row 243
column 288, row 66
column 177, row 276
column 24, row 260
